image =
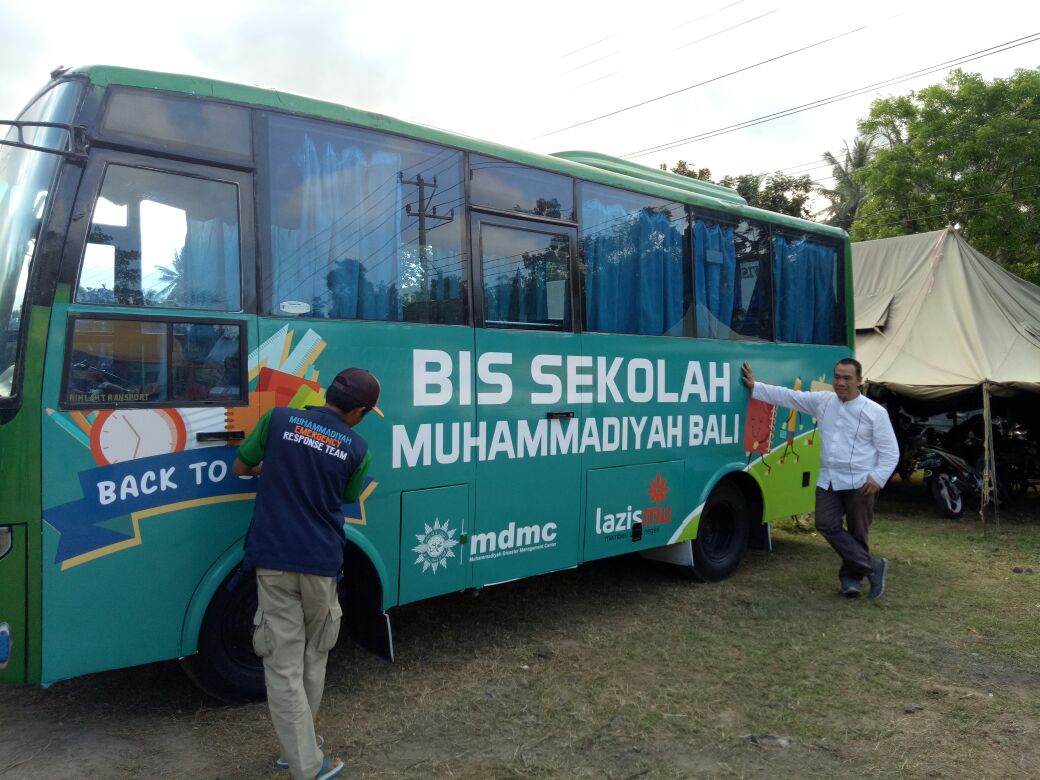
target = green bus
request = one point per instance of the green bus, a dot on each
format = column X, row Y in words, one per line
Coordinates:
column 559, row 340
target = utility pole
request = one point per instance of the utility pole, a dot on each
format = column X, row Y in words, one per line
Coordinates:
column 424, row 214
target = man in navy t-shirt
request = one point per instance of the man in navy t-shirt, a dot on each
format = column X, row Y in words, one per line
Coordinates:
column 313, row 463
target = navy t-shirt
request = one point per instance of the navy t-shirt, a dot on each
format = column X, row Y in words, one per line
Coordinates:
column 313, row 463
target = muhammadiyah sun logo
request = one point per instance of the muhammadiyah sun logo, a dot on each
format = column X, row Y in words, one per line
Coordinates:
column 435, row 545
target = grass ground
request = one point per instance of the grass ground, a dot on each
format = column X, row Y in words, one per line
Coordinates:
column 623, row 670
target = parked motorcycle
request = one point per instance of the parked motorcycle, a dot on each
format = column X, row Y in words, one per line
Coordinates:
column 1018, row 460
column 950, row 471
column 949, row 479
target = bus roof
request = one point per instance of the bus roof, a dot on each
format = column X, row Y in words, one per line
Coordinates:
column 589, row 166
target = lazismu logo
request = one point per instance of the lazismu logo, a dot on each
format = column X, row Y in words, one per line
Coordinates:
column 512, row 539
column 651, row 516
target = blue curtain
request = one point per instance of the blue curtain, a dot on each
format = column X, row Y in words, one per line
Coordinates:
column 210, row 278
column 806, row 293
column 343, row 259
column 516, row 292
column 715, row 279
column 633, row 270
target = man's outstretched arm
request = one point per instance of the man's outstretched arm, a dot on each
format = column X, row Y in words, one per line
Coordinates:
column 807, row 403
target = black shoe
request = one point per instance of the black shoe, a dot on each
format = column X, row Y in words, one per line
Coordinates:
column 849, row 587
column 877, row 579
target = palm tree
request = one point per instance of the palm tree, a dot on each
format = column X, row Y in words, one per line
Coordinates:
column 170, row 279
column 848, row 192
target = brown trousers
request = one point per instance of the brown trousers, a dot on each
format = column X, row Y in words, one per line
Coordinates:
column 297, row 623
column 849, row 539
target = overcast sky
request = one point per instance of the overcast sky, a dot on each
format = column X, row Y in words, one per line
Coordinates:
column 520, row 73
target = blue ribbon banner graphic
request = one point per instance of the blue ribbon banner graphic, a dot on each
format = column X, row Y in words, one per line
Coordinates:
column 198, row 476
column 152, row 486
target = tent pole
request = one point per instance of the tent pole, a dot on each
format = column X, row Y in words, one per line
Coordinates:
column 984, row 492
column 993, row 467
column 989, row 478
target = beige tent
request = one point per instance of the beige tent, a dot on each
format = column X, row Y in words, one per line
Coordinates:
column 940, row 326
column 935, row 318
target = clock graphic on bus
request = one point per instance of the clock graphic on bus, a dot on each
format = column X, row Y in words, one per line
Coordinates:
column 119, row 435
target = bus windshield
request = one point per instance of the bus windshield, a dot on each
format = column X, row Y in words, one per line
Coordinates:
column 26, row 177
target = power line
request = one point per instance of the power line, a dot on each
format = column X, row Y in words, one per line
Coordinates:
column 940, row 214
column 592, row 62
column 911, row 211
column 1002, row 47
column 880, row 148
column 726, row 30
column 593, row 81
column 588, row 46
column 615, row 34
column 710, row 13
column 702, row 83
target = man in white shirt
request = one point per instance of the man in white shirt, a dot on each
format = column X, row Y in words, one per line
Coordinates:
column 858, row 455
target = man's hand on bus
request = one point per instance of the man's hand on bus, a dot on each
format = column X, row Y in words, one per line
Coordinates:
column 242, row 469
column 749, row 376
column 870, row 487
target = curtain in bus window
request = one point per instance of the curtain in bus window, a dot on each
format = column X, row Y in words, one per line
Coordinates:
column 525, row 277
column 806, row 288
column 164, row 240
column 517, row 296
column 633, row 270
column 343, row 259
column 715, row 267
column 209, row 263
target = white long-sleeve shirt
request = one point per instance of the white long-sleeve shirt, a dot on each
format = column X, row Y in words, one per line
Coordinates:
column 856, row 436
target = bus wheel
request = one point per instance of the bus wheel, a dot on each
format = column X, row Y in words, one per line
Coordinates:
column 225, row 666
column 722, row 535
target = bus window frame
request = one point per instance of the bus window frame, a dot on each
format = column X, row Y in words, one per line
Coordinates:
column 115, row 139
column 264, row 305
column 90, row 191
column 515, row 221
column 689, row 290
column 839, row 259
column 169, row 321
column 484, row 208
column 44, row 265
column 734, row 219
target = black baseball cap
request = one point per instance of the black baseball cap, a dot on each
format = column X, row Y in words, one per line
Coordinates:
column 361, row 386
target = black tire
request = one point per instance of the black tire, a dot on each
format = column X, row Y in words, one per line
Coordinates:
column 722, row 535
column 946, row 495
column 225, row 666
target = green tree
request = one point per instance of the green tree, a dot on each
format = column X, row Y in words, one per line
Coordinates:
column 774, row 192
column 848, row 190
column 965, row 152
column 684, row 169
column 771, row 191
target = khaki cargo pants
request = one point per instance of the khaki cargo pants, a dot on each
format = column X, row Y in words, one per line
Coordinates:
column 297, row 623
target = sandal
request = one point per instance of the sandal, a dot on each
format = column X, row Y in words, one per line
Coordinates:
column 281, row 763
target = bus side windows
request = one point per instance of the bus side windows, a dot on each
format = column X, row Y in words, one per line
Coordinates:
column 634, row 251
column 162, row 240
column 526, row 278
column 506, row 186
column 206, row 364
column 363, row 225
column 731, row 280
column 810, row 290
column 133, row 362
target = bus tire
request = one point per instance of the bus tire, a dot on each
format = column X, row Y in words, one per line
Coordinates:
column 225, row 666
column 722, row 534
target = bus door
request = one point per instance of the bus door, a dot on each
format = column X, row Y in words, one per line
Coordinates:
column 527, row 434
column 146, row 388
